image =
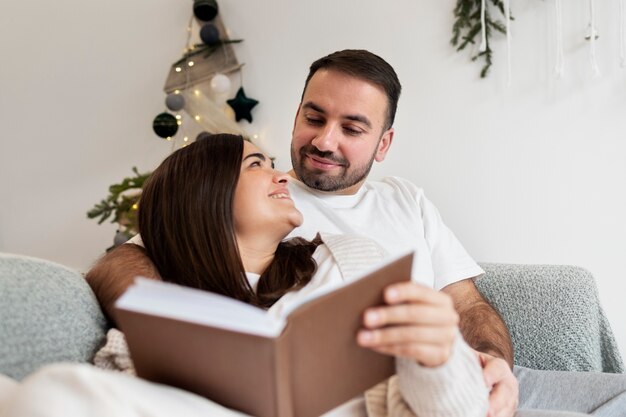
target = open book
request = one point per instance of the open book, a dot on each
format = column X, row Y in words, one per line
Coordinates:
column 303, row 363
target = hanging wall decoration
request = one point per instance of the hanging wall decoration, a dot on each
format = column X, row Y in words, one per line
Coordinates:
column 198, row 85
column 197, row 89
column 474, row 20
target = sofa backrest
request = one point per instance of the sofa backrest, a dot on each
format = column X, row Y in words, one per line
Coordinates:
column 48, row 314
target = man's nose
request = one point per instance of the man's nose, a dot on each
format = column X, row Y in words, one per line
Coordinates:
column 326, row 139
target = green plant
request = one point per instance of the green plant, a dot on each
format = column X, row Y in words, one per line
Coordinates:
column 122, row 203
column 467, row 26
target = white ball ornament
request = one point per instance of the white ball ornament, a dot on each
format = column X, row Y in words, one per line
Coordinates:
column 220, row 84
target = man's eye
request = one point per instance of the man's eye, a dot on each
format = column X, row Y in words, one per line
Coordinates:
column 313, row 121
column 352, row 132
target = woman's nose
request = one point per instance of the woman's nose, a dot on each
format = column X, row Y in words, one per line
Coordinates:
column 280, row 177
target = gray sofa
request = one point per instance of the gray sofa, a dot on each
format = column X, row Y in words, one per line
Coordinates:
column 49, row 314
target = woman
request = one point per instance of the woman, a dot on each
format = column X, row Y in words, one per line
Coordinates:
column 214, row 215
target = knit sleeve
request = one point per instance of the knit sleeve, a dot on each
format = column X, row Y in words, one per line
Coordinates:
column 454, row 389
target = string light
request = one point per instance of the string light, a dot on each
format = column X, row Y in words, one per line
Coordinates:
column 190, row 63
column 176, row 91
column 197, row 117
column 178, row 116
column 135, row 206
column 186, row 139
column 178, row 69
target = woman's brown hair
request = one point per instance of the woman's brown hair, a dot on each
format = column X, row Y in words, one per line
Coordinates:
column 186, row 224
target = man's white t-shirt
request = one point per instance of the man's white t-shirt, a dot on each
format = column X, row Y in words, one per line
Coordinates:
column 394, row 213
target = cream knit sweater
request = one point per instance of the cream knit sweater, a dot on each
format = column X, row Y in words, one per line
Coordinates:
column 454, row 389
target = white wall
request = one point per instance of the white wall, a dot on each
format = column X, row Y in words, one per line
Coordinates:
column 530, row 174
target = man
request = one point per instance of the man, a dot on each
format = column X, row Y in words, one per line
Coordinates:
column 344, row 124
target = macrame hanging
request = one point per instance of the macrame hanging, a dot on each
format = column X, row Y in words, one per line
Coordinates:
column 475, row 24
column 622, row 33
column 595, row 70
column 559, row 66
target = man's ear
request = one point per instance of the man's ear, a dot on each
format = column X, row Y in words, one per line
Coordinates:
column 383, row 145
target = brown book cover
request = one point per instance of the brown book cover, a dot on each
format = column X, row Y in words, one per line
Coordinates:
column 311, row 367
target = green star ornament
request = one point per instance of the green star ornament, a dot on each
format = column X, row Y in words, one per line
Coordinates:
column 242, row 105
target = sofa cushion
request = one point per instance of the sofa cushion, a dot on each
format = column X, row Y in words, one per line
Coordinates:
column 554, row 316
column 48, row 314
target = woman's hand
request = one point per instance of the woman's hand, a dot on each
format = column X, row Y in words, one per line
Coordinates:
column 418, row 322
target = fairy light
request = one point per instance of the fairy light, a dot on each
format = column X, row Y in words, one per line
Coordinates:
column 196, row 92
column 197, row 117
column 176, row 91
column 178, row 69
column 135, row 206
column 178, row 116
column 190, row 63
column 186, row 139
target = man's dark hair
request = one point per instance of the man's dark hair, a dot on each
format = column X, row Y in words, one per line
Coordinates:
column 367, row 66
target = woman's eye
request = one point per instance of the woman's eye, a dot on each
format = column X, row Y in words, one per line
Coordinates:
column 255, row 164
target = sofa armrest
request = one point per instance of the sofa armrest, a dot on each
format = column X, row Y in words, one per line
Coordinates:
column 48, row 314
column 554, row 316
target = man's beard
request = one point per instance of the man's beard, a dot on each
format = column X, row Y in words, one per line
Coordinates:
column 323, row 181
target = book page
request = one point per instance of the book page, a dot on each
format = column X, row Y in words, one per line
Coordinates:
column 327, row 289
column 165, row 299
column 173, row 301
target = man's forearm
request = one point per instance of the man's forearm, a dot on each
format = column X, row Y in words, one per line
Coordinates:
column 115, row 271
column 480, row 324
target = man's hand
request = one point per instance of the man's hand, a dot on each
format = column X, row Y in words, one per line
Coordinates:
column 418, row 323
column 502, row 384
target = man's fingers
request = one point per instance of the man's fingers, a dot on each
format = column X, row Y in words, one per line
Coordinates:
column 503, row 386
column 503, row 399
column 495, row 370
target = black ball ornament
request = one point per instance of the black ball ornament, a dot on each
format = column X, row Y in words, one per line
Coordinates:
column 209, row 34
column 165, row 125
column 174, row 101
column 205, row 10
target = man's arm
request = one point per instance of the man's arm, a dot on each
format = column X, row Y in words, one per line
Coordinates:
column 481, row 326
column 116, row 271
column 483, row 329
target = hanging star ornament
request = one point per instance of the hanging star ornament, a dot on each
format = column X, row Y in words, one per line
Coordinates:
column 242, row 105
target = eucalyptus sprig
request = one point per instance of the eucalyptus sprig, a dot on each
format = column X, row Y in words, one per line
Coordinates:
column 467, row 26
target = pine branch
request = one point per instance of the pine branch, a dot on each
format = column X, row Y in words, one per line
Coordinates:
column 121, row 207
column 467, row 26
